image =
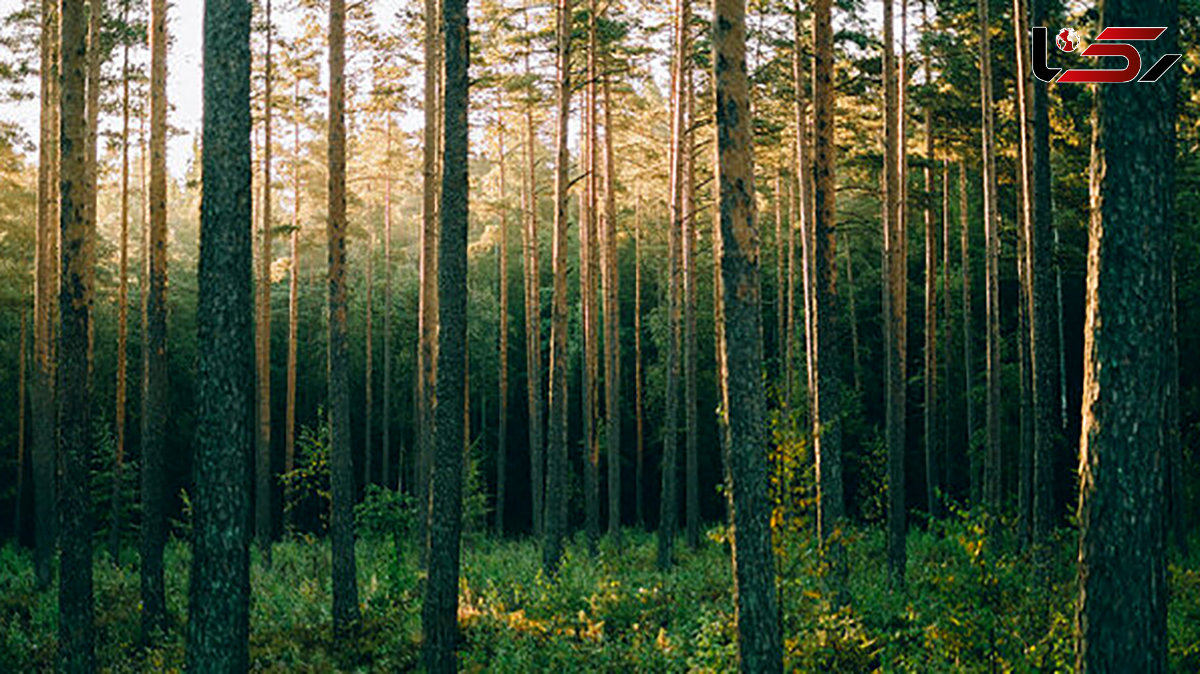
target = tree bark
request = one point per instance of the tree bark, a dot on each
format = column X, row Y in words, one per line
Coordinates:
column 96, row 54
column 76, row 633
column 219, row 595
column 975, row 482
column 587, row 292
column 386, row 440
column 555, row 522
column 289, row 450
column 502, row 439
column 20, row 428
column 156, row 375
column 1122, row 615
column 369, row 362
column 744, row 400
column 42, row 400
column 612, row 320
column 993, row 460
column 688, row 272
column 262, row 334
column 932, row 451
column 1025, row 337
column 639, row 483
column 533, row 312
column 440, row 613
column 114, row 534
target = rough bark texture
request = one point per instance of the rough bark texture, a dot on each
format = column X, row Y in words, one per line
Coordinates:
column 262, row 328
column 440, row 613
column 687, row 245
column 555, row 517
column 993, row 467
column 1046, row 344
column 44, row 449
column 669, row 500
column 744, row 402
column 894, row 301
column 341, row 524
column 1121, row 621
column 611, row 281
column 587, row 292
column 155, row 377
column 827, row 394
column 219, row 595
column 76, row 635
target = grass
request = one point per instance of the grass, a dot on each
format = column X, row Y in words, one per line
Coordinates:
column 969, row 606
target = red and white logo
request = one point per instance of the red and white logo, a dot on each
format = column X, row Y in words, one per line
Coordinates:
column 1067, row 39
column 1111, row 42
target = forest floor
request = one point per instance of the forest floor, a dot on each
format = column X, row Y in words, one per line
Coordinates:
column 968, row 606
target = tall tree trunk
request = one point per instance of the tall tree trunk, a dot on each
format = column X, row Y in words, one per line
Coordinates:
column 993, row 466
column 781, row 292
column 42, row 402
column 1025, row 495
column 94, row 84
column 20, row 428
column 555, row 522
column 533, row 315
column 156, row 376
column 827, row 394
column 76, row 634
column 345, row 586
column 262, row 449
column 587, row 292
column 688, row 271
column 502, row 439
column 800, row 214
column 744, row 400
column 428, row 309
column 1176, row 492
column 669, row 501
column 369, row 362
column 440, row 614
column 932, row 470
column 612, row 320
column 968, row 360
column 114, row 534
column 1045, row 340
column 894, row 301
column 946, row 333
column 638, row 479
column 1122, row 616
column 219, row 595
column 386, row 440
column 289, row 442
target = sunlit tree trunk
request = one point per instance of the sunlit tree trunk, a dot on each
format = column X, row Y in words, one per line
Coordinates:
column 96, row 54
column 289, row 450
column 114, row 533
column 612, row 320
column 993, row 473
column 386, row 440
column 555, row 523
column 587, row 291
column 744, row 400
column 639, row 484
column 533, row 313
column 688, row 274
column 931, row 417
column 262, row 449
column 1121, row 624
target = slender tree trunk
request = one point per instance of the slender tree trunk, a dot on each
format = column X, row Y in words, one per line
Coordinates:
column 156, row 375
column 781, row 293
column 533, row 317
column 386, row 441
column 502, row 439
column 1046, row 340
column 114, row 537
column 1122, row 616
column 369, row 362
column 42, row 402
column 428, row 309
column 688, row 270
column 946, row 333
column 744, row 400
column 96, row 53
column 973, row 464
column 639, row 483
column 219, row 597
column 289, row 450
column 932, row 451
column 1025, row 337
column 587, row 292
column 262, row 450
column 345, row 587
column 440, row 614
column 993, row 473
column 76, row 634
column 894, row 301
column 555, row 523
column 800, row 214
column 20, row 429
column 612, row 320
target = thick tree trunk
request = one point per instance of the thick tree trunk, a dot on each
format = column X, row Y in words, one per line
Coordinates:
column 96, row 54
column 219, row 595
column 894, row 301
column 612, row 322
column 744, row 400
column 1122, row 616
column 669, row 500
column 440, row 613
column 1046, row 341
column 262, row 334
column 44, row 448
column 114, row 533
column 555, row 523
column 993, row 459
column 76, row 633
column 345, row 586
column 155, row 378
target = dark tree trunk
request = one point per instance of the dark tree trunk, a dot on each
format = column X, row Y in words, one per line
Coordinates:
column 219, row 596
column 114, row 534
column 1122, row 617
column 502, row 438
column 968, row 360
column 289, row 433
column 687, row 246
column 587, row 292
column 76, row 635
column 612, row 323
column 341, row 520
column 639, row 478
column 155, row 377
column 993, row 466
column 440, row 613
column 386, row 426
column 262, row 333
column 21, row 357
column 555, row 520
column 931, row 418
column 1025, row 341
column 744, row 403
